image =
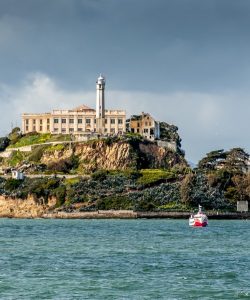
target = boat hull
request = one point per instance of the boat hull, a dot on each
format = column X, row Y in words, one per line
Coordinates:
column 200, row 221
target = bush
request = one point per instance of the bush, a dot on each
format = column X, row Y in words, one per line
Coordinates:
column 99, row 175
column 115, row 202
column 61, row 166
column 57, row 147
column 12, row 184
column 30, row 139
column 15, row 158
column 37, row 154
column 150, row 177
column 60, row 193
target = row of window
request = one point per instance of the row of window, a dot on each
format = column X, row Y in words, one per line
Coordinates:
column 34, row 121
column 34, row 128
column 112, row 130
column 87, row 121
column 146, row 124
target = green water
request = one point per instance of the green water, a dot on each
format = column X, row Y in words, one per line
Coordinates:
column 124, row 259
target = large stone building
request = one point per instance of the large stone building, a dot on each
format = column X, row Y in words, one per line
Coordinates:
column 144, row 125
column 81, row 120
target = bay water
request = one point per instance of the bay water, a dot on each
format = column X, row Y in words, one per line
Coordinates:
column 124, row 259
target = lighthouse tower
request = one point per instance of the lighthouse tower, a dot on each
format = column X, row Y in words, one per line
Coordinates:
column 100, row 104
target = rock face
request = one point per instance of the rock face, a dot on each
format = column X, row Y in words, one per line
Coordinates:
column 99, row 155
column 120, row 155
column 28, row 208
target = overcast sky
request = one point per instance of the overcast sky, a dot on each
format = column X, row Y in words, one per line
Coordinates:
column 187, row 62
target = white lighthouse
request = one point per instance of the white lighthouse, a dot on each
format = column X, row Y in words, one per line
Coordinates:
column 100, row 104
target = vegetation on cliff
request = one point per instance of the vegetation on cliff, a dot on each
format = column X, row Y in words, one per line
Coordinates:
column 125, row 172
column 129, row 151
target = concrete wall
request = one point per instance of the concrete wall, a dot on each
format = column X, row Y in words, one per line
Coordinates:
column 169, row 145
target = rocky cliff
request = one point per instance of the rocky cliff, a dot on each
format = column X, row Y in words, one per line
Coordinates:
column 87, row 157
column 11, row 207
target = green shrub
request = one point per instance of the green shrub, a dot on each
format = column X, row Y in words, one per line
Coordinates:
column 72, row 181
column 57, row 147
column 60, row 193
column 12, row 184
column 145, row 205
column 174, row 206
column 37, row 153
column 15, row 158
column 31, row 139
column 61, row 166
column 154, row 176
column 115, row 202
column 99, row 175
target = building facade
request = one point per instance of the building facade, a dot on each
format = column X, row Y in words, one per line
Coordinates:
column 82, row 120
column 144, row 125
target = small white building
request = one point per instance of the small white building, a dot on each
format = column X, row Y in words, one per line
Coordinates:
column 15, row 174
column 242, row 206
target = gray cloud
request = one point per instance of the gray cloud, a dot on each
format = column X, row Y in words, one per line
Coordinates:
column 186, row 61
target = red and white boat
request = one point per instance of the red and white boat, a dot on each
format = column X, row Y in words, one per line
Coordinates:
column 199, row 219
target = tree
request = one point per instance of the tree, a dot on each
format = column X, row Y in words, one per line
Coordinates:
column 237, row 160
column 15, row 135
column 186, row 188
column 4, row 143
column 212, row 160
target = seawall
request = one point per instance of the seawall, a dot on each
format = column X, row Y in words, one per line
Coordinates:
column 36, row 208
column 129, row 214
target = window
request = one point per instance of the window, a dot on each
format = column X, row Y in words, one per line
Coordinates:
column 55, row 129
column 112, row 130
column 138, row 124
column 145, row 130
column 41, row 128
column 47, row 127
column 34, row 128
column 56, row 121
column 146, row 123
column 138, row 130
column 95, row 121
column 105, row 130
column 149, row 123
column 71, row 129
column 71, row 121
column 106, row 121
column 79, row 129
column 63, row 121
column 48, row 120
column 120, row 121
column 112, row 121
column 41, row 122
column 27, row 121
column 64, row 130
column 27, row 128
column 34, row 121
column 79, row 121
column 88, row 121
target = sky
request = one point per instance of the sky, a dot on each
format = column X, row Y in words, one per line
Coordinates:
column 186, row 62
